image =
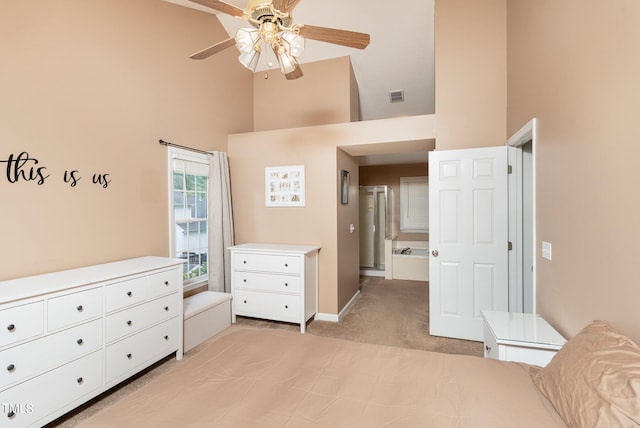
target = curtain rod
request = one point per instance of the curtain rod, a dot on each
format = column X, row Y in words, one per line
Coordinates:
column 166, row 143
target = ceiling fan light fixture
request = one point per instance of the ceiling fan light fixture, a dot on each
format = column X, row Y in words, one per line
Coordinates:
column 287, row 62
column 293, row 43
column 247, row 40
column 250, row 60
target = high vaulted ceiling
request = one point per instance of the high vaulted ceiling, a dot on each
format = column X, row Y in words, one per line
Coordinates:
column 400, row 56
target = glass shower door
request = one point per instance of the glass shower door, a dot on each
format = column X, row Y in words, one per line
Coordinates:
column 373, row 218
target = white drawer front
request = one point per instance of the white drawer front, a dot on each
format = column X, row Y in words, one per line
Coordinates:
column 26, row 360
column 267, row 263
column 33, row 400
column 136, row 351
column 162, row 283
column 74, row 308
column 276, row 306
column 536, row 357
column 125, row 293
column 130, row 320
column 267, row 282
column 21, row 322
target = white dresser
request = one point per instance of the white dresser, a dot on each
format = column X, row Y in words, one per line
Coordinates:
column 274, row 281
column 68, row 336
column 525, row 338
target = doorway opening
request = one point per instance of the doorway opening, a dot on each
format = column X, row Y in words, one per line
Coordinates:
column 522, row 225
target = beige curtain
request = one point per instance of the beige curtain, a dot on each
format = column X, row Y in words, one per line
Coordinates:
column 220, row 223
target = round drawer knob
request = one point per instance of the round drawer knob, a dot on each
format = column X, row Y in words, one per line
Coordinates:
column 286, row 306
column 129, row 356
column 286, row 284
column 11, row 414
column 166, row 308
column 244, row 280
column 129, row 293
column 11, row 368
column 79, row 341
column 129, row 322
column 286, row 265
column 166, row 283
column 11, row 327
column 166, row 338
column 244, row 262
column 79, row 308
column 79, row 380
column 245, row 301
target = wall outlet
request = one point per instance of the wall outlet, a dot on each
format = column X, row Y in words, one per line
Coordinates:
column 546, row 250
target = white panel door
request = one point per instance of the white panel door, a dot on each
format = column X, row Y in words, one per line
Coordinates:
column 468, row 264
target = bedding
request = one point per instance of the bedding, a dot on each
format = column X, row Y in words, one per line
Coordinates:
column 247, row 377
column 594, row 380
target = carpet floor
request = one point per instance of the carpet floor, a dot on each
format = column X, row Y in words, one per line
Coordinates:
column 387, row 312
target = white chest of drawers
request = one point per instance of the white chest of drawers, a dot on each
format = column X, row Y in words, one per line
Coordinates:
column 525, row 338
column 68, row 336
column 274, row 281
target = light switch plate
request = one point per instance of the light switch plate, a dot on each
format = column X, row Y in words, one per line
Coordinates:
column 546, row 250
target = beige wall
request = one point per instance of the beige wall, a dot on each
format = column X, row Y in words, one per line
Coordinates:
column 376, row 175
column 327, row 93
column 348, row 242
column 91, row 86
column 316, row 223
column 471, row 73
column 574, row 65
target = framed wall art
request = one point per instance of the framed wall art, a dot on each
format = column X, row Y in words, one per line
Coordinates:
column 344, row 187
column 284, row 186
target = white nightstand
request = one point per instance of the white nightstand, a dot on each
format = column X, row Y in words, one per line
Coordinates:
column 526, row 338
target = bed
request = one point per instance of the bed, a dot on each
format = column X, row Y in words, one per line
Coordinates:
column 247, row 377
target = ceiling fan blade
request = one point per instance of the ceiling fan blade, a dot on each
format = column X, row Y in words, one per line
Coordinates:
column 285, row 6
column 295, row 74
column 221, row 6
column 206, row 53
column 338, row 37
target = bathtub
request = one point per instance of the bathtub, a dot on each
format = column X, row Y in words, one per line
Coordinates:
column 412, row 263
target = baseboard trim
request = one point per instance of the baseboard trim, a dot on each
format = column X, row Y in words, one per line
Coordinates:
column 343, row 312
column 327, row 317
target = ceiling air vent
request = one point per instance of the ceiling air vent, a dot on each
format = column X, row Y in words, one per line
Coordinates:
column 396, row 96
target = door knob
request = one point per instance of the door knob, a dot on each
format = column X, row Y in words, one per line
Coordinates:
column 435, row 253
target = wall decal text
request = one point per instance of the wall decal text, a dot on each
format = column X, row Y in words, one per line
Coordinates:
column 23, row 167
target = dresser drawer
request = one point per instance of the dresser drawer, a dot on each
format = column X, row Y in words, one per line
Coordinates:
column 31, row 401
column 26, row 360
column 162, row 283
column 130, row 320
column 267, row 282
column 74, row 308
column 137, row 351
column 125, row 293
column 267, row 263
column 282, row 307
column 21, row 322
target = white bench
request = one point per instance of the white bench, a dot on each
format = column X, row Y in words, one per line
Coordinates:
column 205, row 315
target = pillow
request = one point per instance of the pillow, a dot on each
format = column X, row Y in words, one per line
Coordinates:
column 594, row 380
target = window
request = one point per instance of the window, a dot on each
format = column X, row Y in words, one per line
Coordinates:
column 189, row 214
column 414, row 204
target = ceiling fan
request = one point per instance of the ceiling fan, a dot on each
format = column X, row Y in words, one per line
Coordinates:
column 273, row 26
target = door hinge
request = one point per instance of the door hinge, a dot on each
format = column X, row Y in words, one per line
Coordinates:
column 510, row 246
column 509, row 169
